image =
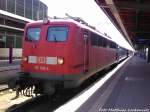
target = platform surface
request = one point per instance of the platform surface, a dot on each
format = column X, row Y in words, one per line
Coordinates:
column 8, row 70
column 5, row 63
column 128, row 90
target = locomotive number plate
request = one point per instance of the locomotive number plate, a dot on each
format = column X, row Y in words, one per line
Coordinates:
column 43, row 68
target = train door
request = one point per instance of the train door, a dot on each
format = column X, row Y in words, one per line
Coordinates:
column 86, row 50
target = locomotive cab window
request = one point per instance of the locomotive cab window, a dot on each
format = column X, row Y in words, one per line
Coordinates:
column 33, row 34
column 57, row 33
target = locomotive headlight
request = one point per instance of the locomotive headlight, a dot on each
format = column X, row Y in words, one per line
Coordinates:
column 60, row 60
column 24, row 59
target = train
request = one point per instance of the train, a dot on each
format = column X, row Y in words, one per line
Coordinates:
column 62, row 54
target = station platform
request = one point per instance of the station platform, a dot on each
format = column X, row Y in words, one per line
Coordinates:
column 5, row 65
column 128, row 90
column 8, row 70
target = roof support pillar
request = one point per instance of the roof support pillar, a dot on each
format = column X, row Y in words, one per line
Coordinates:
column 148, row 54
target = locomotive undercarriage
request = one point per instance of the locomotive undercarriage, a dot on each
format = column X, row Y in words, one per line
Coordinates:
column 30, row 87
column 32, row 84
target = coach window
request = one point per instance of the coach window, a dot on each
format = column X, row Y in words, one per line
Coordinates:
column 108, row 44
column 104, row 42
column 57, row 33
column 112, row 45
column 33, row 34
column 100, row 41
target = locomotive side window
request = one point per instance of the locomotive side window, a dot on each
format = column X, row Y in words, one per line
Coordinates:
column 33, row 34
column 100, row 42
column 57, row 33
column 94, row 39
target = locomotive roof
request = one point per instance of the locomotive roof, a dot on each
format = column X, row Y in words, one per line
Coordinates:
column 75, row 22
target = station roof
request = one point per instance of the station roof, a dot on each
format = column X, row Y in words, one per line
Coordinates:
column 16, row 22
column 15, row 16
column 131, row 16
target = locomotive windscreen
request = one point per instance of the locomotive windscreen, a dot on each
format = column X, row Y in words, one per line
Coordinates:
column 57, row 33
column 33, row 34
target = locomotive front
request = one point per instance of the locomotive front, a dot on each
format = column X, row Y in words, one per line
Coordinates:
column 48, row 52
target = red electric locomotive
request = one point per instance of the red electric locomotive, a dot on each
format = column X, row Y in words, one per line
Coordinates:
column 62, row 53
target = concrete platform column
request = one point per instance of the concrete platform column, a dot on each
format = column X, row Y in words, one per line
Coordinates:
column 148, row 54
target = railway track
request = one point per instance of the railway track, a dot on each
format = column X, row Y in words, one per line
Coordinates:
column 3, row 88
column 23, row 107
column 43, row 103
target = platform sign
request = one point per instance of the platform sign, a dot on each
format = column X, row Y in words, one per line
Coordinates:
column 143, row 41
